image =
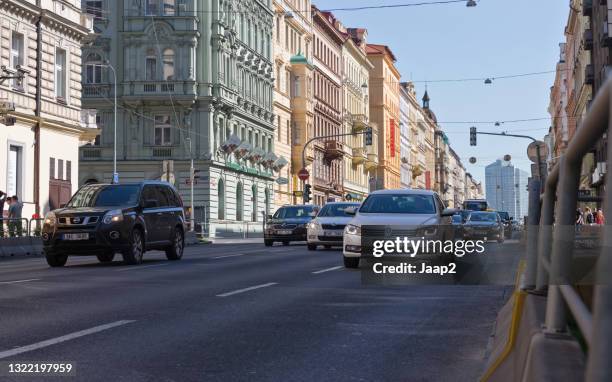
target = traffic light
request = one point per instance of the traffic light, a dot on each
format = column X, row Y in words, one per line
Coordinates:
column 472, row 136
column 368, row 136
column 307, row 191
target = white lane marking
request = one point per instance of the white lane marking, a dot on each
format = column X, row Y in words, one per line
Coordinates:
column 136, row 267
column 226, row 256
column 57, row 340
column 17, row 281
column 245, row 289
column 327, row 270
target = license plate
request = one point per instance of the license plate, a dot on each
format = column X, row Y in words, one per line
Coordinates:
column 333, row 233
column 285, row 232
column 76, row 236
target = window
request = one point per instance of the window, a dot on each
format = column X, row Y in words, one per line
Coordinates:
column 68, row 170
column 17, row 57
column 163, row 130
column 288, row 131
column 278, row 126
column 93, row 69
column 221, row 200
column 168, row 60
column 151, row 7
column 60, row 169
column 51, row 168
column 94, row 8
column 151, row 66
column 14, row 170
column 60, row 73
column 239, row 202
column 169, row 7
column 254, row 199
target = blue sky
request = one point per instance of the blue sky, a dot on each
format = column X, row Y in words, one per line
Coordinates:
column 498, row 37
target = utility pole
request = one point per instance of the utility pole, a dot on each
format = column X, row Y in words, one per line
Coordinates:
column 191, row 182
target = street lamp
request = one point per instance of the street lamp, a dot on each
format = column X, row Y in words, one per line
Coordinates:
column 107, row 64
column 471, row 3
column 488, row 81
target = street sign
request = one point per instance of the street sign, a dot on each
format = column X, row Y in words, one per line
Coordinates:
column 303, row 174
column 532, row 152
column 282, row 181
column 115, row 178
column 298, row 194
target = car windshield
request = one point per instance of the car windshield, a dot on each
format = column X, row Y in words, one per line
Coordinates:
column 398, row 204
column 293, row 212
column 332, row 210
column 105, row 196
column 504, row 215
column 483, row 217
column 476, row 206
column 457, row 219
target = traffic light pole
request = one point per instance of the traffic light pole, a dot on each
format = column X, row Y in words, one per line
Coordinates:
column 191, row 181
column 368, row 130
column 540, row 173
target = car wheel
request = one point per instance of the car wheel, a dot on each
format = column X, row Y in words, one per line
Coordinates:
column 133, row 255
column 56, row 260
column 175, row 251
column 106, row 257
column 285, row 243
column 312, row 247
column 351, row 262
column 268, row 243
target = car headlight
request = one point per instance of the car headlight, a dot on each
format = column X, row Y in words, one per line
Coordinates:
column 50, row 219
column 113, row 216
column 428, row 231
column 352, row 230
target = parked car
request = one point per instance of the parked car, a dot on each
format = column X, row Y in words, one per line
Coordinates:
column 507, row 222
column 288, row 224
column 484, row 225
column 327, row 228
column 103, row 219
column 406, row 207
column 475, row 205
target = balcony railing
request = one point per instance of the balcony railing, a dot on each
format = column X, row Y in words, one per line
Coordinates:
column 162, row 152
column 372, row 162
column 96, row 90
column 91, row 153
column 160, row 88
column 333, row 150
column 360, row 122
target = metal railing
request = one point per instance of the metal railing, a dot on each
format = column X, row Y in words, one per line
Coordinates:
column 14, row 227
column 551, row 240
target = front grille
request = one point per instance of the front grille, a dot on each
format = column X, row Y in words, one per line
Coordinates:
column 330, row 238
column 333, row 226
column 285, row 226
column 381, row 232
column 78, row 220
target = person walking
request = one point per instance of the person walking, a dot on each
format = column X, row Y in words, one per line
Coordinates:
column 579, row 218
column 2, row 200
column 599, row 217
column 588, row 216
column 15, row 214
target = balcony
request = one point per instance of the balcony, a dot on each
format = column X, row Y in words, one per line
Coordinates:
column 588, row 39
column 333, row 150
column 181, row 91
column 91, row 153
column 589, row 75
column 162, row 152
column 372, row 162
column 359, row 155
column 96, row 90
column 360, row 123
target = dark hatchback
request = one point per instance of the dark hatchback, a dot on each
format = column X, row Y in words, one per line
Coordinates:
column 103, row 219
column 288, row 224
column 484, row 225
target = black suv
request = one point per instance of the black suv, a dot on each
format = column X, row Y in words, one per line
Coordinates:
column 288, row 224
column 102, row 219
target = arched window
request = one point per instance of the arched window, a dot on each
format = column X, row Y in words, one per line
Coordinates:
column 93, row 69
column 239, row 202
column 254, row 201
column 221, row 200
column 168, row 60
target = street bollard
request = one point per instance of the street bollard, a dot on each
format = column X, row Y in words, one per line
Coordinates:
column 533, row 222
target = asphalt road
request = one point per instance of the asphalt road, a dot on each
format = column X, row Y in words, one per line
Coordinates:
column 245, row 313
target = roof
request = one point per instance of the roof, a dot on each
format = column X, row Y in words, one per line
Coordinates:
column 299, row 59
column 380, row 49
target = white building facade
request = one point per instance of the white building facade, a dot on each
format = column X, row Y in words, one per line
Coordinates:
column 40, row 93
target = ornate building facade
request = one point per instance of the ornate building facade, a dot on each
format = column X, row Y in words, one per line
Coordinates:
column 195, row 81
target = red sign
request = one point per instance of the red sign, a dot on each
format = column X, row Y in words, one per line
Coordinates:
column 392, row 137
column 303, row 174
column 427, row 180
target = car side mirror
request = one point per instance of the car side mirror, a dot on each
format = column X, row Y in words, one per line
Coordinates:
column 269, row 217
column 351, row 211
column 150, row 203
column 448, row 212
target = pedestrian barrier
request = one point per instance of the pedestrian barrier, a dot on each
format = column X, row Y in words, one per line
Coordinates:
column 20, row 237
column 563, row 275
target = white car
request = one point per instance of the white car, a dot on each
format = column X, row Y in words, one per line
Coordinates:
column 407, row 207
column 327, row 228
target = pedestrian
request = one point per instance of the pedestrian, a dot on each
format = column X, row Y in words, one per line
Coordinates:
column 588, row 216
column 579, row 218
column 599, row 217
column 2, row 200
column 15, row 216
